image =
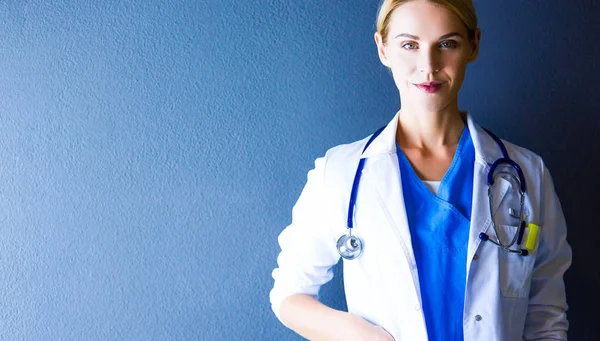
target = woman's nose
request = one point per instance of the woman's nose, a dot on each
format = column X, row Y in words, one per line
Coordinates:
column 428, row 61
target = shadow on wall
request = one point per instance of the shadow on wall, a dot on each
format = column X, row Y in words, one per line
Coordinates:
column 575, row 172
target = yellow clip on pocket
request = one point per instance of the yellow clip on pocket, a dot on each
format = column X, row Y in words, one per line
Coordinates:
column 532, row 236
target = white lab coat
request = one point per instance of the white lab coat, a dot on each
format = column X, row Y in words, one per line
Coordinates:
column 507, row 297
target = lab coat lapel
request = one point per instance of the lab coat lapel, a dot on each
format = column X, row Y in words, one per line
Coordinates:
column 383, row 172
column 486, row 152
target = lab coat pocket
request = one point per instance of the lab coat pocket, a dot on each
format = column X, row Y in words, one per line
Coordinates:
column 515, row 270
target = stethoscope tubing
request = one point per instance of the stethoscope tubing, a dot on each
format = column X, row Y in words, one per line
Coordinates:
column 355, row 183
column 349, row 253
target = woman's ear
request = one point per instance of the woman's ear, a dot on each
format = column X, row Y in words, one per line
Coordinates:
column 381, row 50
column 475, row 43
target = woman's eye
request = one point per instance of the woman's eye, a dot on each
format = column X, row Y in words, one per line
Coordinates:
column 409, row 46
column 448, row 44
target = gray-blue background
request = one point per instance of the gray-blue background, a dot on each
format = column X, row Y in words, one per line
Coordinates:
column 151, row 151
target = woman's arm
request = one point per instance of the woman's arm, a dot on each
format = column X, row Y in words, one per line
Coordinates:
column 308, row 252
column 313, row 320
column 546, row 316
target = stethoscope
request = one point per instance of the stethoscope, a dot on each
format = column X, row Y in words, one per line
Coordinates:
column 350, row 246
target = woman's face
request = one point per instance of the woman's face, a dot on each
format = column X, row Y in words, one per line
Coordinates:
column 427, row 50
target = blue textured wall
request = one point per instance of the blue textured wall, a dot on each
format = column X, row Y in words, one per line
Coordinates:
column 151, row 151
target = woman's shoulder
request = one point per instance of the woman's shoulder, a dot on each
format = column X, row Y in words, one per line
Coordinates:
column 489, row 147
column 534, row 168
column 343, row 152
column 339, row 163
column 522, row 152
column 523, row 156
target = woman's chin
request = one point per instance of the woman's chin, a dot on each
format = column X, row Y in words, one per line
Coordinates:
column 430, row 104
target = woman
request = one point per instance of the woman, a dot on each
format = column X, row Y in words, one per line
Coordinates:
column 432, row 257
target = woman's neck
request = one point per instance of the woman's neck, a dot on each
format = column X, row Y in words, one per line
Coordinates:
column 429, row 130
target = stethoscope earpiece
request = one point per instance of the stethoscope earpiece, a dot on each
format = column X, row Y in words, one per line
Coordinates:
column 484, row 237
column 521, row 252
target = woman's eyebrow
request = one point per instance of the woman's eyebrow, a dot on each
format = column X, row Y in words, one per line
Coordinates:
column 450, row 35
column 406, row 35
column 445, row 36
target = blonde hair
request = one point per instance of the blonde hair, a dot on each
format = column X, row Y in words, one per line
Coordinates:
column 464, row 9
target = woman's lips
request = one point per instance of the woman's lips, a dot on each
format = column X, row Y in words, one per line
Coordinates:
column 430, row 87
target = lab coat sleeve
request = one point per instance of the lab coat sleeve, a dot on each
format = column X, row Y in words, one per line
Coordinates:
column 546, row 316
column 308, row 245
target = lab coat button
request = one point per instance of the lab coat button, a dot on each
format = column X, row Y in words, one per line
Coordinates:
column 417, row 307
column 477, row 318
column 475, row 257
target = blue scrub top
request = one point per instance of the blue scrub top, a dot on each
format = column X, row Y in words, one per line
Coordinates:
column 439, row 227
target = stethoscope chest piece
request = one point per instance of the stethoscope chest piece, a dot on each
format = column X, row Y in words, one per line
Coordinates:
column 349, row 246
